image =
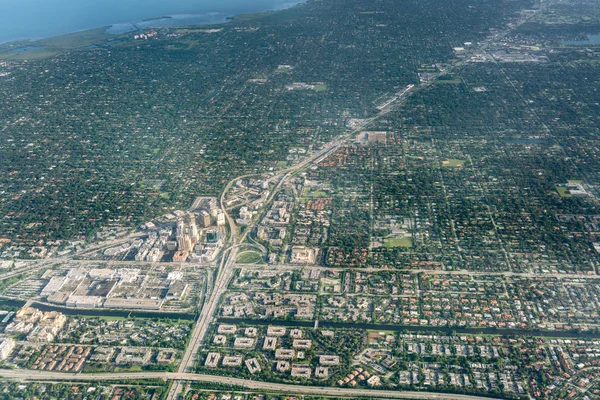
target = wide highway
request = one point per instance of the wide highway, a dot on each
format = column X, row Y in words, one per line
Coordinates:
column 34, row 375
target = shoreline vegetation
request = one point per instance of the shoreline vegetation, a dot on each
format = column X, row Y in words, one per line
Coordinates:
column 42, row 48
column 157, row 18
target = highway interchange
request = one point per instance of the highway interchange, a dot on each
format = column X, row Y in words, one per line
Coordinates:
column 224, row 274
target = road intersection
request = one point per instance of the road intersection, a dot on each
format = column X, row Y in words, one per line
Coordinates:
column 224, row 273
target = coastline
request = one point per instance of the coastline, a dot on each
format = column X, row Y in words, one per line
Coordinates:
column 148, row 23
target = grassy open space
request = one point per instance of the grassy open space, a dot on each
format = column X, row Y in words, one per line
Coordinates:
column 249, row 257
column 398, row 242
column 563, row 191
column 453, row 162
column 320, row 88
column 313, row 194
column 454, row 81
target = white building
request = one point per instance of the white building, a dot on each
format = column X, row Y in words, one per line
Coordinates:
column 101, row 273
column 54, row 285
column 220, row 218
column 243, row 343
column 6, row 346
column 245, row 214
column 154, row 255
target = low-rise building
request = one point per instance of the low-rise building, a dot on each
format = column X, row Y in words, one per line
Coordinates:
column 83, row 301
column 102, row 354
column 285, row 354
column 134, row 355
column 282, row 366
column 136, row 303
column 374, row 381
column 329, row 360
column 101, row 273
column 253, row 365
column 296, row 333
column 303, row 255
column 243, row 343
column 54, row 285
column 276, row 331
column 270, row 343
column 166, row 357
column 220, row 340
column 227, row 329
column 181, row 255
column 302, row 344
column 322, row 372
column 232, row 361
column 177, row 290
column 212, row 360
column 301, row 371
column 6, row 347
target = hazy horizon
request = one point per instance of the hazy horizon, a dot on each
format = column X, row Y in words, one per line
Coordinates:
column 34, row 19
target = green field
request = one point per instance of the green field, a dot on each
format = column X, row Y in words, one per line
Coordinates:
column 320, row 88
column 563, row 191
column 454, row 81
column 398, row 242
column 453, row 162
column 249, row 257
column 313, row 194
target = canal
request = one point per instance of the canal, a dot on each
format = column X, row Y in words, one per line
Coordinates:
column 114, row 313
column 415, row 329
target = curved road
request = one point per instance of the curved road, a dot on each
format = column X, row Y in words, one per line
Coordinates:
column 229, row 254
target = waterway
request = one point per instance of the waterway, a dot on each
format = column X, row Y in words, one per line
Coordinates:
column 35, row 19
column 410, row 328
column 12, row 303
column 101, row 312
column 591, row 40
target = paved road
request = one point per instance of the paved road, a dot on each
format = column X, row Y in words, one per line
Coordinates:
column 286, row 267
column 34, row 375
column 209, row 308
column 229, row 255
column 228, row 259
column 224, row 274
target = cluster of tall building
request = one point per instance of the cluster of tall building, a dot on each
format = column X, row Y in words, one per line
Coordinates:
column 187, row 233
column 210, row 212
column 191, row 245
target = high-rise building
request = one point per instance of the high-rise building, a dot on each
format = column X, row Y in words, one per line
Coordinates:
column 180, row 228
column 184, row 243
column 193, row 228
column 205, row 218
column 184, row 239
column 220, row 218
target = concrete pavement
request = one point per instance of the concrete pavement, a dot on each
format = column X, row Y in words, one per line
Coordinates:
column 34, row 375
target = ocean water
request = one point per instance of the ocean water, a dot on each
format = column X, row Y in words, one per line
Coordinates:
column 34, row 19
